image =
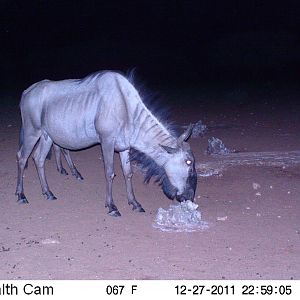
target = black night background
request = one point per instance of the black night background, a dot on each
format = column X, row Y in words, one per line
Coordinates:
column 168, row 42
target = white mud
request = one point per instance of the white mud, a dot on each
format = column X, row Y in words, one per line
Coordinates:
column 182, row 217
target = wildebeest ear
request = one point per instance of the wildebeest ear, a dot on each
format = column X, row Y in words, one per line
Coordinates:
column 168, row 149
column 184, row 137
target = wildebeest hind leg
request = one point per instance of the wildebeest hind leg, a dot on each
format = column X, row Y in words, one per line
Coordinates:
column 71, row 165
column 108, row 156
column 127, row 172
column 22, row 157
column 39, row 157
column 59, row 165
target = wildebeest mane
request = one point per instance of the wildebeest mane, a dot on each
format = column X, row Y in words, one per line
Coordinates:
column 153, row 101
column 151, row 169
column 91, row 77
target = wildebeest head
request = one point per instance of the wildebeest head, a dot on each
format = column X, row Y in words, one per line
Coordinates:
column 177, row 176
column 180, row 181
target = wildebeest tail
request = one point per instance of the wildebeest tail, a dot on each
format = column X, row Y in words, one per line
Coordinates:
column 21, row 141
column 21, row 137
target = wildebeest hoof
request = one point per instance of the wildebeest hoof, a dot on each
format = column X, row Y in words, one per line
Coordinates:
column 138, row 209
column 114, row 213
column 50, row 196
column 77, row 175
column 22, row 199
column 63, row 171
column 113, row 210
column 136, row 206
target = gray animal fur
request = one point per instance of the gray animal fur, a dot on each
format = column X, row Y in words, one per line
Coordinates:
column 102, row 108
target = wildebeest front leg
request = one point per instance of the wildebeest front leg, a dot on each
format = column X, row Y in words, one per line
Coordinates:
column 124, row 155
column 108, row 157
column 39, row 157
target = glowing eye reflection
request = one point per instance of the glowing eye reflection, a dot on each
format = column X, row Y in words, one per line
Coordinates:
column 188, row 162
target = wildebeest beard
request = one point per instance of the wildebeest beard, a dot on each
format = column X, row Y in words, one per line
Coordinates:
column 152, row 169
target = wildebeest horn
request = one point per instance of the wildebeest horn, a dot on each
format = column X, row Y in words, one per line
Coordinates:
column 170, row 150
column 185, row 135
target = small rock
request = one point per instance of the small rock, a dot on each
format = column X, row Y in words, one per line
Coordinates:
column 255, row 185
column 222, row 218
column 199, row 129
column 216, row 146
column 50, row 241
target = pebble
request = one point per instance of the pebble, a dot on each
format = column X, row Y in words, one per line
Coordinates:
column 255, row 185
column 50, row 241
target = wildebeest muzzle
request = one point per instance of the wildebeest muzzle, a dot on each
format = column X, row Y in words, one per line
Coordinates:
column 190, row 189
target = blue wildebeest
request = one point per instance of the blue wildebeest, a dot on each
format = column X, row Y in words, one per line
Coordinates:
column 66, row 153
column 59, row 166
column 104, row 108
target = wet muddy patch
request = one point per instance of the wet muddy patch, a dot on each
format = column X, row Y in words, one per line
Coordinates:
column 217, row 164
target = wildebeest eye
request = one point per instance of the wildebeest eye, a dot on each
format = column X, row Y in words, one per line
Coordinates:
column 188, row 162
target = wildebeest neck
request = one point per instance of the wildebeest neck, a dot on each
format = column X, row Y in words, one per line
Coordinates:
column 152, row 169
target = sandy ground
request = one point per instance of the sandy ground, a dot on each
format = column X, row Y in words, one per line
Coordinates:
column 252, row 234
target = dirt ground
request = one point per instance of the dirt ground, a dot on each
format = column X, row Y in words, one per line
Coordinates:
column 254, row 230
